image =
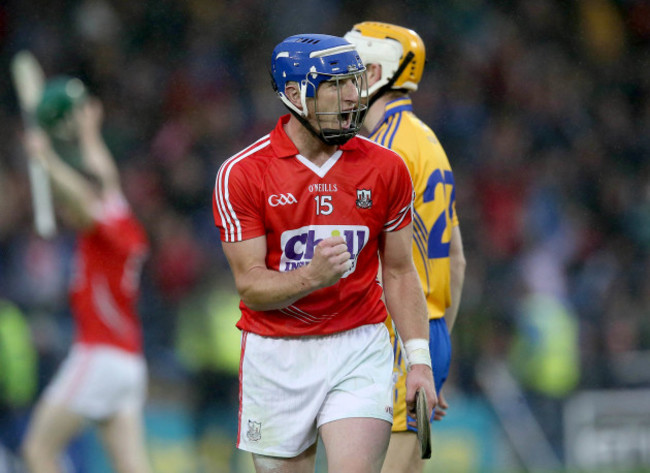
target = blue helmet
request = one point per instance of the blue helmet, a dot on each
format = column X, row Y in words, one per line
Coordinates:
column 308, row 60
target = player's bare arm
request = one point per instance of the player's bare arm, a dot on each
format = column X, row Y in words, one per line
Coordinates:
column 69, row 185
column 407, row 306
column 96, row 156
column 262, row 288
column 457, row 274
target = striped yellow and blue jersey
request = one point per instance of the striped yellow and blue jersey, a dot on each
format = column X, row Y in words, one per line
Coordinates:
column 434, row 208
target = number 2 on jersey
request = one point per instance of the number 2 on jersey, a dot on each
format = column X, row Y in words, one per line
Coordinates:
column 436, row 248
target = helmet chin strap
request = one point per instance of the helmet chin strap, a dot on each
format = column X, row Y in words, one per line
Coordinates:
column 340, row 138
column 388, row 85
column 337, row 137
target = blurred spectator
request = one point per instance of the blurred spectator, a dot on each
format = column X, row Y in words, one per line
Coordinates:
column 18, row 373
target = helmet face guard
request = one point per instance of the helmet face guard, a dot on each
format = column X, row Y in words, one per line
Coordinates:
column 309, row 60
column 355, row 116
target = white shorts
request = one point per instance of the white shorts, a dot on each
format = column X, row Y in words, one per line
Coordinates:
column 289, row 387
column 99, row 381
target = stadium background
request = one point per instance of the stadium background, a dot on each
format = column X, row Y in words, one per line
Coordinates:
column 543, row 107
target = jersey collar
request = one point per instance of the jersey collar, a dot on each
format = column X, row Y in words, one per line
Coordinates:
column 404, row 104
column 283, row 147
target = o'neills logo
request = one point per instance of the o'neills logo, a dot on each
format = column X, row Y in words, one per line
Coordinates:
column 282, row 199
column 323, row 188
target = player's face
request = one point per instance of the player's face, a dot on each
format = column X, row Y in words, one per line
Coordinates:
column 336, row 100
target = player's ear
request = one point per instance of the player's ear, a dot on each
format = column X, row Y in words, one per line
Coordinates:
column 373, row 73
column 292, row 92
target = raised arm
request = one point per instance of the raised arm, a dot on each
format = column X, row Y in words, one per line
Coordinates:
column 75, row 195
column 97, row 158
column 261, row 288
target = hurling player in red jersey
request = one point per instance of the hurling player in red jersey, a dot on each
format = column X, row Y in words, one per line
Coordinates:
column 307, row 214
column 103, row 378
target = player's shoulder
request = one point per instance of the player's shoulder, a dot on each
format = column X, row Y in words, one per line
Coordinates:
column 412, row 124
column 419, row 127
column 387, row 165
column 368, row 147
column 416, row 139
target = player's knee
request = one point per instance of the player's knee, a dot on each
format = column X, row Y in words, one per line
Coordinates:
column 123, row 465
column 37, row 450
column 130, row 464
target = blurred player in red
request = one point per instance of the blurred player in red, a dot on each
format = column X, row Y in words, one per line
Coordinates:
column 307, row 214
column 104, row 377
column 394, row 57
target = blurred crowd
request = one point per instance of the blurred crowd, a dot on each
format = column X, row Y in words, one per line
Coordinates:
column 543, row 107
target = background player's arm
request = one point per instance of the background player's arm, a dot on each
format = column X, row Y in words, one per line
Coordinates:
column 75, row 193
column 457, row 265
column 407, row 306
column 96, row 157
column 261, row 288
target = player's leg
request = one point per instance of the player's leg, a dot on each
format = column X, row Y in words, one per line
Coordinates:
column 51, row 429
column 403, row 453
column 303, row 463
column 121, row 424
column 281, row 393
column 356, row 417
column 404, row 437
column 123, row 437
column 356, row 445
column 57, row 417
column 403, row 447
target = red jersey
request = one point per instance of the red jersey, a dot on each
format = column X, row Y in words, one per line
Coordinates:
column 269, row 190
column 106, row 278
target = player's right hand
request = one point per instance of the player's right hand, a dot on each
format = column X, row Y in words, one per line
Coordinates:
column 420, row 377
column 331, row 260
